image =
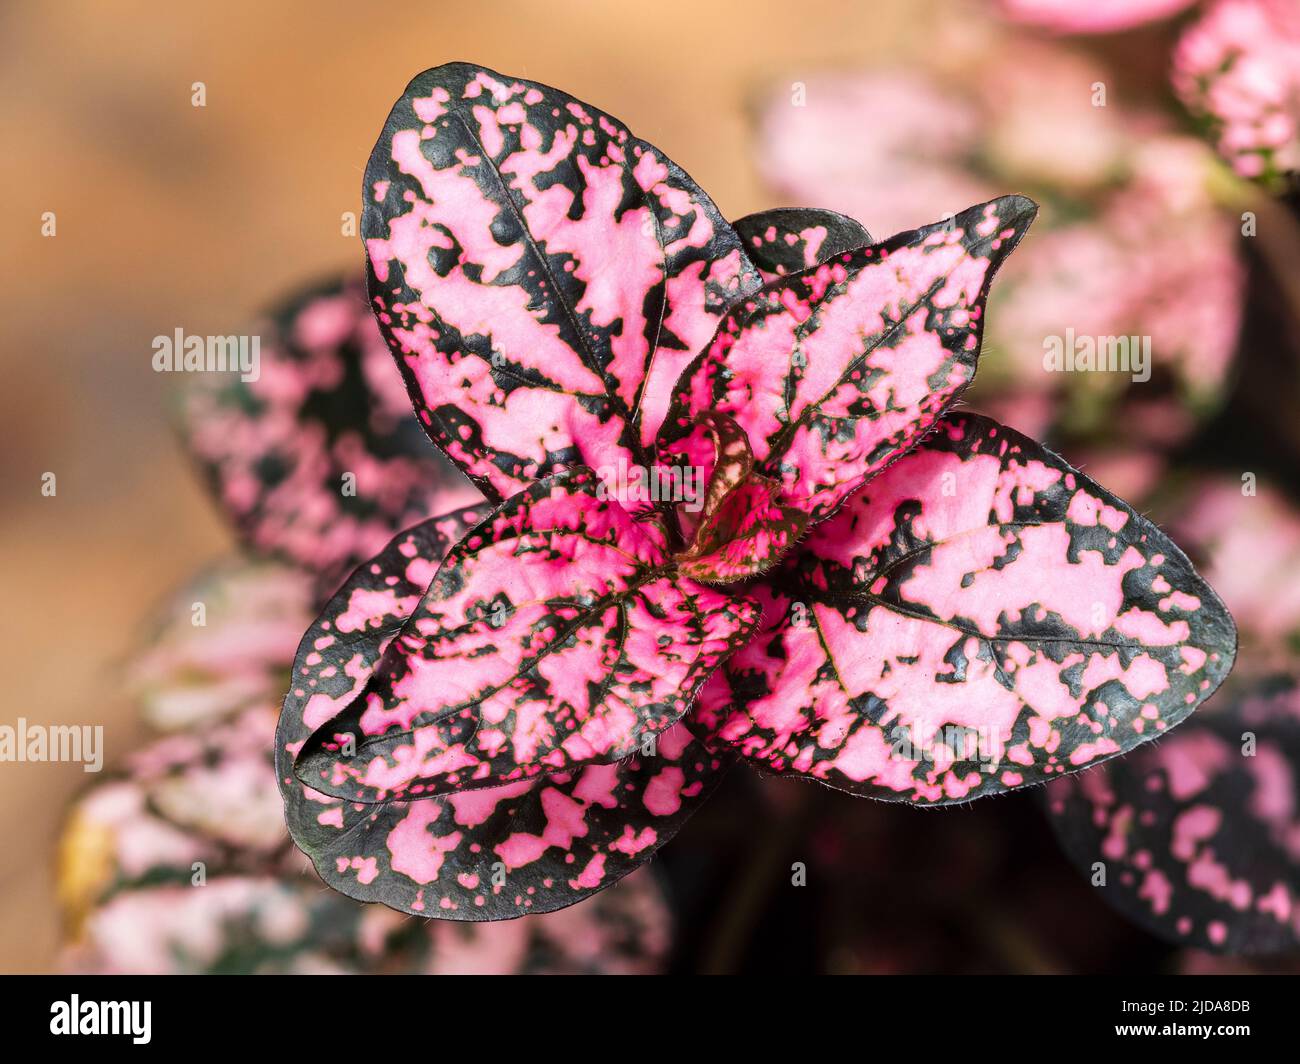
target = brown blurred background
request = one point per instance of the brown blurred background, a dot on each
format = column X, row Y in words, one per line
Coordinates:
column 170, row 215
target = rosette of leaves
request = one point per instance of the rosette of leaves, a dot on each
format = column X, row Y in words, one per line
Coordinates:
column 510, row 708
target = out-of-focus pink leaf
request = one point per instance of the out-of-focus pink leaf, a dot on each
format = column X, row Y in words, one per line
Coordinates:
column 251, row 924
column 789, row 240
column 1248, row 534
column 1034, row 124
column 489, row 854
column 907, row 160
column 1157, row 268
column 208, row 796
column 1090, row 16
column 260, row 924
column 216, row 782
column 1198, row 836
column 318, row 460
column 979, row 617
column 1136, row 245
column 223, row 643
column 834, row 371
column 541, row 275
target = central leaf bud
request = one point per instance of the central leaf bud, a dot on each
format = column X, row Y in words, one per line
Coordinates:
column 742, row 527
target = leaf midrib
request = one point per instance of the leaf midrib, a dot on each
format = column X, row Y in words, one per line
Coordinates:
column 588, row 354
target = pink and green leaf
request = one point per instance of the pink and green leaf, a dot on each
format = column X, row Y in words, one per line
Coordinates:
column 789, row 240
column 491, row 854
column 1198, row 834
column 978, row 618
column 318, row 460
column 541, row 275
column 555, row 635
column 834, row 371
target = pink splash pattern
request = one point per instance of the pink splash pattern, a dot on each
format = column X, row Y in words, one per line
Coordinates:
column 1238, row 69
column 507, row 725
column 835, row 370
column 275, row 450
column 1133, row 240
column 490, row 854
column 788, row 240
column 208, row 798
column 554, row 636
column 1200, row 834
column 541, row 274
column 979, row 617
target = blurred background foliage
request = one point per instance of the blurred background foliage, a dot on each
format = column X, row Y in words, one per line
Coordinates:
column 895, row 111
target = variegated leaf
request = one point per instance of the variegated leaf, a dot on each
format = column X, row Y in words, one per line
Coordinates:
column 979, row 617
column 747, row 535
column 740, row 529
column 834, row 371
column 788, row 240
column 555, row 635
column 316, row 457
column 1197, row 838
column 541, row 275
column 731, row 459
column 489, row 854
column 223, row 643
